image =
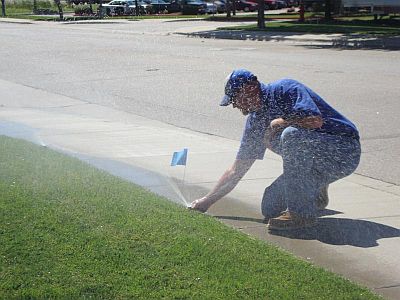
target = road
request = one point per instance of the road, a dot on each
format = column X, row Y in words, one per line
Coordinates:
column 144, row 68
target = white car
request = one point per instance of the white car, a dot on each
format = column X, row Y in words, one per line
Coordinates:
column 124, row 7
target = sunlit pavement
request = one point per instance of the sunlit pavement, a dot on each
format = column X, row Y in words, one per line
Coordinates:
column 208, row 29
column 357, row 236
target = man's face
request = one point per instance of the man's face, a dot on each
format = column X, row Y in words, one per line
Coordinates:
column 247, row 99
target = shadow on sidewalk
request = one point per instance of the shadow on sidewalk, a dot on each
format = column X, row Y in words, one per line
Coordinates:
column 334, row 231
column 313, row 41
column 339, row 231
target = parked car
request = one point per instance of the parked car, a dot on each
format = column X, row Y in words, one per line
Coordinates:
column 291, row 3
column 246, row 5
column 211, row 8
column 174, row 6
column 269, row 4
column 157, row 6
column 221, row 6
column 117, row 7
column 193, row 7
column 122, row 7
column 281, row 4
column 314, row 5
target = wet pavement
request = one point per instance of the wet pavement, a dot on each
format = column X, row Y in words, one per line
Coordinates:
column 357, row 236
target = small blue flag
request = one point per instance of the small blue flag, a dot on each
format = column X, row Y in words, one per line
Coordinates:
column 179, row 158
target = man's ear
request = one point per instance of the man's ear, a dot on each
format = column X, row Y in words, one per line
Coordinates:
column 251, row 85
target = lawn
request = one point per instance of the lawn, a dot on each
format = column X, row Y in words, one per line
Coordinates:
column 68, row 230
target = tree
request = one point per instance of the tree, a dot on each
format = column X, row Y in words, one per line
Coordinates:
column 3, row 8
column 60, row 10
column 260, row 15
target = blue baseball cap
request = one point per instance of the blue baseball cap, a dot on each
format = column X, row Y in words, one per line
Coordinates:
column 234, row 83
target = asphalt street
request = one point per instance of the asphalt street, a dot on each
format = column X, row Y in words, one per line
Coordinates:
column 144, row 68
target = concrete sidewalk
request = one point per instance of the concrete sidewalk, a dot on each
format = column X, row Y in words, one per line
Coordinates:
column 357, row 237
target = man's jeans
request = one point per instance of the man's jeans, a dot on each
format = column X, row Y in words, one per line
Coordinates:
column 311, row 160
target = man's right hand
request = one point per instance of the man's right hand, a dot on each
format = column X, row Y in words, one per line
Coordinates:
column 201, row 205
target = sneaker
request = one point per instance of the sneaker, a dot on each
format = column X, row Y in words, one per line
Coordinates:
column 323, row 198
column 290, row 221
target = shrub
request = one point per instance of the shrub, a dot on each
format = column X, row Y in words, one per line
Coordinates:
column 83, row 10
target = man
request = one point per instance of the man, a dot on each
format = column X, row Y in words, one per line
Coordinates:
column 317, row 144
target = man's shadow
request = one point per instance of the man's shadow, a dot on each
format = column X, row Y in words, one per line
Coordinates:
column 336, row 231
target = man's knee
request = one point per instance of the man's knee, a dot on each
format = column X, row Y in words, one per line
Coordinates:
column 273, row 203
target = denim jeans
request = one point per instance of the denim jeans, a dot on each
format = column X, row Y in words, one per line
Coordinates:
column 311, row 160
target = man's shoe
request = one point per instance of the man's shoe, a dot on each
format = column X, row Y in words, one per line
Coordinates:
column 322, row 199
column 290, row 221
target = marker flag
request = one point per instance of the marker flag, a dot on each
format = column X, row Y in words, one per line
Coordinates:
column 179, row 158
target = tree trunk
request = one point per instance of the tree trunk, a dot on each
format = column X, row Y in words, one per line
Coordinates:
column 228, row 9
column 301, row 12
column 3, row 8
column 328, row 15
column 60, row 10
column 34, row 6
column 100, row 9
column 260, row 15
column 91, row 6
column 137, row 8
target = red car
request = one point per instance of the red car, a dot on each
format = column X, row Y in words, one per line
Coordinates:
column 246, row 6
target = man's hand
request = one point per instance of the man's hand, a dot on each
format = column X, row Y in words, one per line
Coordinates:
column 278, row 123
column 201, row 204
column 276, row 126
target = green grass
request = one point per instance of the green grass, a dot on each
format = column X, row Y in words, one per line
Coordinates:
column 82, row 18
column 68, row 230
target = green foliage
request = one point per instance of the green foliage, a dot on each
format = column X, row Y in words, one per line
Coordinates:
column 28, row 4
column 18, row 7
column 83, row 10
column 70, row 231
